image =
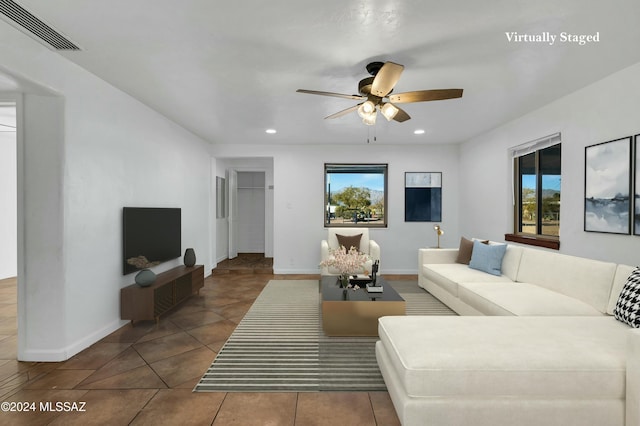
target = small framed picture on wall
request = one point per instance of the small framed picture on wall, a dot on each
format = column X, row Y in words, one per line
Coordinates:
column 423, row 197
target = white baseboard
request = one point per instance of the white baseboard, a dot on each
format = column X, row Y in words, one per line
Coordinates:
column 63, row 354
column 35, row 355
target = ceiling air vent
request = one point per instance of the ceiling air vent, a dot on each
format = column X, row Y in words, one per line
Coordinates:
column 26, row 21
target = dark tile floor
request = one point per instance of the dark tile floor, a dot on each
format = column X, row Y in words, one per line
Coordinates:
column 144, row 375
column 251, row 263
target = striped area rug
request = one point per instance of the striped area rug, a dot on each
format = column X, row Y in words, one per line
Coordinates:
column 279, row 345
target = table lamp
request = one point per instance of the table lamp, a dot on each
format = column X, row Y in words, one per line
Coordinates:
column 439, row 232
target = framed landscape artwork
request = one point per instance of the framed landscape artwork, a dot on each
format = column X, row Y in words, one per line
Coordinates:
column 423, row 197
column 607, row 187
column 636, row 198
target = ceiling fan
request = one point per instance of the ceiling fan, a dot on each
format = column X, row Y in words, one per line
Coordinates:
column 375, row 92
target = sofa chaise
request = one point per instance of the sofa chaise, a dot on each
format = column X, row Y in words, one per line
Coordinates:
column 537, row 344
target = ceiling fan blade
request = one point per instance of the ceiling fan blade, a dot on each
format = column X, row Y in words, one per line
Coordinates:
column 343, row 112
column 425, row 95
column 401, row 115
column 386, row 78
column 335, row 95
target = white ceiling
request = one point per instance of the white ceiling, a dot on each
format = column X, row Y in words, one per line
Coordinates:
column 229, row 70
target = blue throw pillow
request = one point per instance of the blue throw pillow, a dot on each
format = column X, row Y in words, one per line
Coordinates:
column 487, row 258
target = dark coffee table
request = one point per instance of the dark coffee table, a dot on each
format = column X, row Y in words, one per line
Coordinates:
column 355, row 312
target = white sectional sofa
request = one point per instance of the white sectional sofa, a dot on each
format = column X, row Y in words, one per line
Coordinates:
column 546, row 283
column 535, row 345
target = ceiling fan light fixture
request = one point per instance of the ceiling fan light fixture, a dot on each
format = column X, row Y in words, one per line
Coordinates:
column 373, row 90
column 370, row 119
column 366, row 108
column 389, row 111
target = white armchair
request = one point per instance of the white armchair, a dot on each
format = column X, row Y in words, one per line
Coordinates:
column 367, row 246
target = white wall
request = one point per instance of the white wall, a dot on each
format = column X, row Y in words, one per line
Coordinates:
column 42, row 310
column 298, row 179
column 90, row 150
column 8, row 202
column 601, row 112
column 221, row 240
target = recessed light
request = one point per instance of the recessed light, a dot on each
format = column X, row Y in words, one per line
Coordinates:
column 418, row 132
column 271, row 131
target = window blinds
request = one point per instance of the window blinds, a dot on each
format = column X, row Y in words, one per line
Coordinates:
column 535, row 145
column 527, row 148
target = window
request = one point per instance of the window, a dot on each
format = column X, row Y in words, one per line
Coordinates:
column 355, row 195
column 537, row 187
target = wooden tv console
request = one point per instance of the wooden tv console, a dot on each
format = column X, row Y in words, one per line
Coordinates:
column 169, row 289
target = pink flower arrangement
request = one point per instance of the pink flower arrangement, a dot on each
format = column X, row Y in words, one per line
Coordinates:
column 346, row 262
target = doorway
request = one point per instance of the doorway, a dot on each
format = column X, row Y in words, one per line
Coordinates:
column 9, row 231
column 256, row 175
column 8, row 191
column 251, row 212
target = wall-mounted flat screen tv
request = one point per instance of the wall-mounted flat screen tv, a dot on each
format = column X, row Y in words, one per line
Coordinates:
column 150, row 236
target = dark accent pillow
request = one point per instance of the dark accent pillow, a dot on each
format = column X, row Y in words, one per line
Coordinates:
column 465, row 250
column 349, row 241
column 627, row 307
